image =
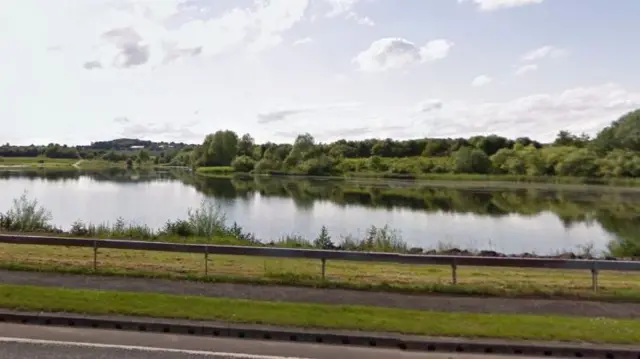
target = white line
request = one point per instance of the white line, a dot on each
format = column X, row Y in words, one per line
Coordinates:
column 139, row 348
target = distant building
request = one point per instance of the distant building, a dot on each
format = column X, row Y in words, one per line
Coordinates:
column 137, row 147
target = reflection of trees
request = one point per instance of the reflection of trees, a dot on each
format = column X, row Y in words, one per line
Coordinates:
column 118, row 175
column 627, row 231
column 615, row 212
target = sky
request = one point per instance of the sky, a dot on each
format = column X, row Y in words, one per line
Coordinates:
column 80, row 71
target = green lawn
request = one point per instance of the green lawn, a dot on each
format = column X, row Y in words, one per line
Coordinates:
column 36, row 162
column 60, row 163
column 597, row 330
column 342, row 274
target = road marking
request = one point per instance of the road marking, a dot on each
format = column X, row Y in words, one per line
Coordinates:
column 139, row 348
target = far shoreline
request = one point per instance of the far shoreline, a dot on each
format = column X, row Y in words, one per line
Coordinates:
column 465, row 181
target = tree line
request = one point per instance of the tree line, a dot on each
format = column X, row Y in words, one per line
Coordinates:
column 123, row 149
column 613, row 152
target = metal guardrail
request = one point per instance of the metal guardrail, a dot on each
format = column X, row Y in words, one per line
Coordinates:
column 595, row 266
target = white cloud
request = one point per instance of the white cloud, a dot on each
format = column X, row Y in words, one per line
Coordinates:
column 481, row 80
column 302, row 41
column 544, row 52
column 541, row 116
column 393, row 53
column 491, row 5
column 132, row 33
column 361, row 20
column 345, row 8
column 163, row 63
column 261, row 27
column 524, row 69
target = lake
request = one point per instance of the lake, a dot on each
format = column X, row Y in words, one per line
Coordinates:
column 513, row 220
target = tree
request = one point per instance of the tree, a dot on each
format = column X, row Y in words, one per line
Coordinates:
column 492, row 144
column 143, row 156
column 468, row 160
column 435, row 147
column 218, row 149
column 566, row 138
column 245, row 145
column 580, row 163
column 623, row 134
column 383, row 148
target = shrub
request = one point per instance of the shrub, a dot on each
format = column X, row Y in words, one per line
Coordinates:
column 27, row 216
column 243, row 164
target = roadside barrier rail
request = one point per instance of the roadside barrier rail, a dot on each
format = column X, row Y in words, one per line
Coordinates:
column 594, row 266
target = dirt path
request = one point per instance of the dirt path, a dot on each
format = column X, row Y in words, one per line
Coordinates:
column 329, row 296
column 77, row 164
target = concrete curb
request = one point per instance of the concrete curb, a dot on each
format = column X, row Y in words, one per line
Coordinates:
column 381, row 340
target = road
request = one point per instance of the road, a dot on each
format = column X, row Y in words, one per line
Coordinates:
column 330, row 296
column 33, row 342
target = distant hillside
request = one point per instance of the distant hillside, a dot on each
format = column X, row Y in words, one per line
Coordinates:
column 124, row 144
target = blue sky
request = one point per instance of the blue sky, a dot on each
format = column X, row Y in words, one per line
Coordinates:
column 76, row 72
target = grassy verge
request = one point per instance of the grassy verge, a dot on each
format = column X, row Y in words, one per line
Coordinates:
column 362, row 318
column 478, row 281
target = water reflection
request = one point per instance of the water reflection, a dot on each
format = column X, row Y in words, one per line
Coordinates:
column 526, row 219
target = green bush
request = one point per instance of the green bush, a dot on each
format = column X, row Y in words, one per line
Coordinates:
column 243, row 164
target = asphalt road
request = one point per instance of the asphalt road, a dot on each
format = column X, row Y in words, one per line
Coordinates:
column 33, row 342
column 329, row 296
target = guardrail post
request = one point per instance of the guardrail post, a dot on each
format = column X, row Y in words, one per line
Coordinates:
column 324, row 267
column 454, row 272
column 95, row 256
column 206, row 260
column 594, row 278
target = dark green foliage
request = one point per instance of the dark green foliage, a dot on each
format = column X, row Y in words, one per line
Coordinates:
column 623, row 134
column 468, row 160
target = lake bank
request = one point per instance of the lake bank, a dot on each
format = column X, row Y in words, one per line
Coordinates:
column 227, row 171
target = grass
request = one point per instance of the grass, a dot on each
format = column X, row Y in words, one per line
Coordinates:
column 479, row 281
column 57, row 163
column 364, row 318
column 43, row 162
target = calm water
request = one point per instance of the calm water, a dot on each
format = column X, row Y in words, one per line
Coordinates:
column 523, row 220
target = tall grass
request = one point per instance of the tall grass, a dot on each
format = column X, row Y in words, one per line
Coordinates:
column 379, row 239
column 208, row 220
column 206, row 223
column 26, row 216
